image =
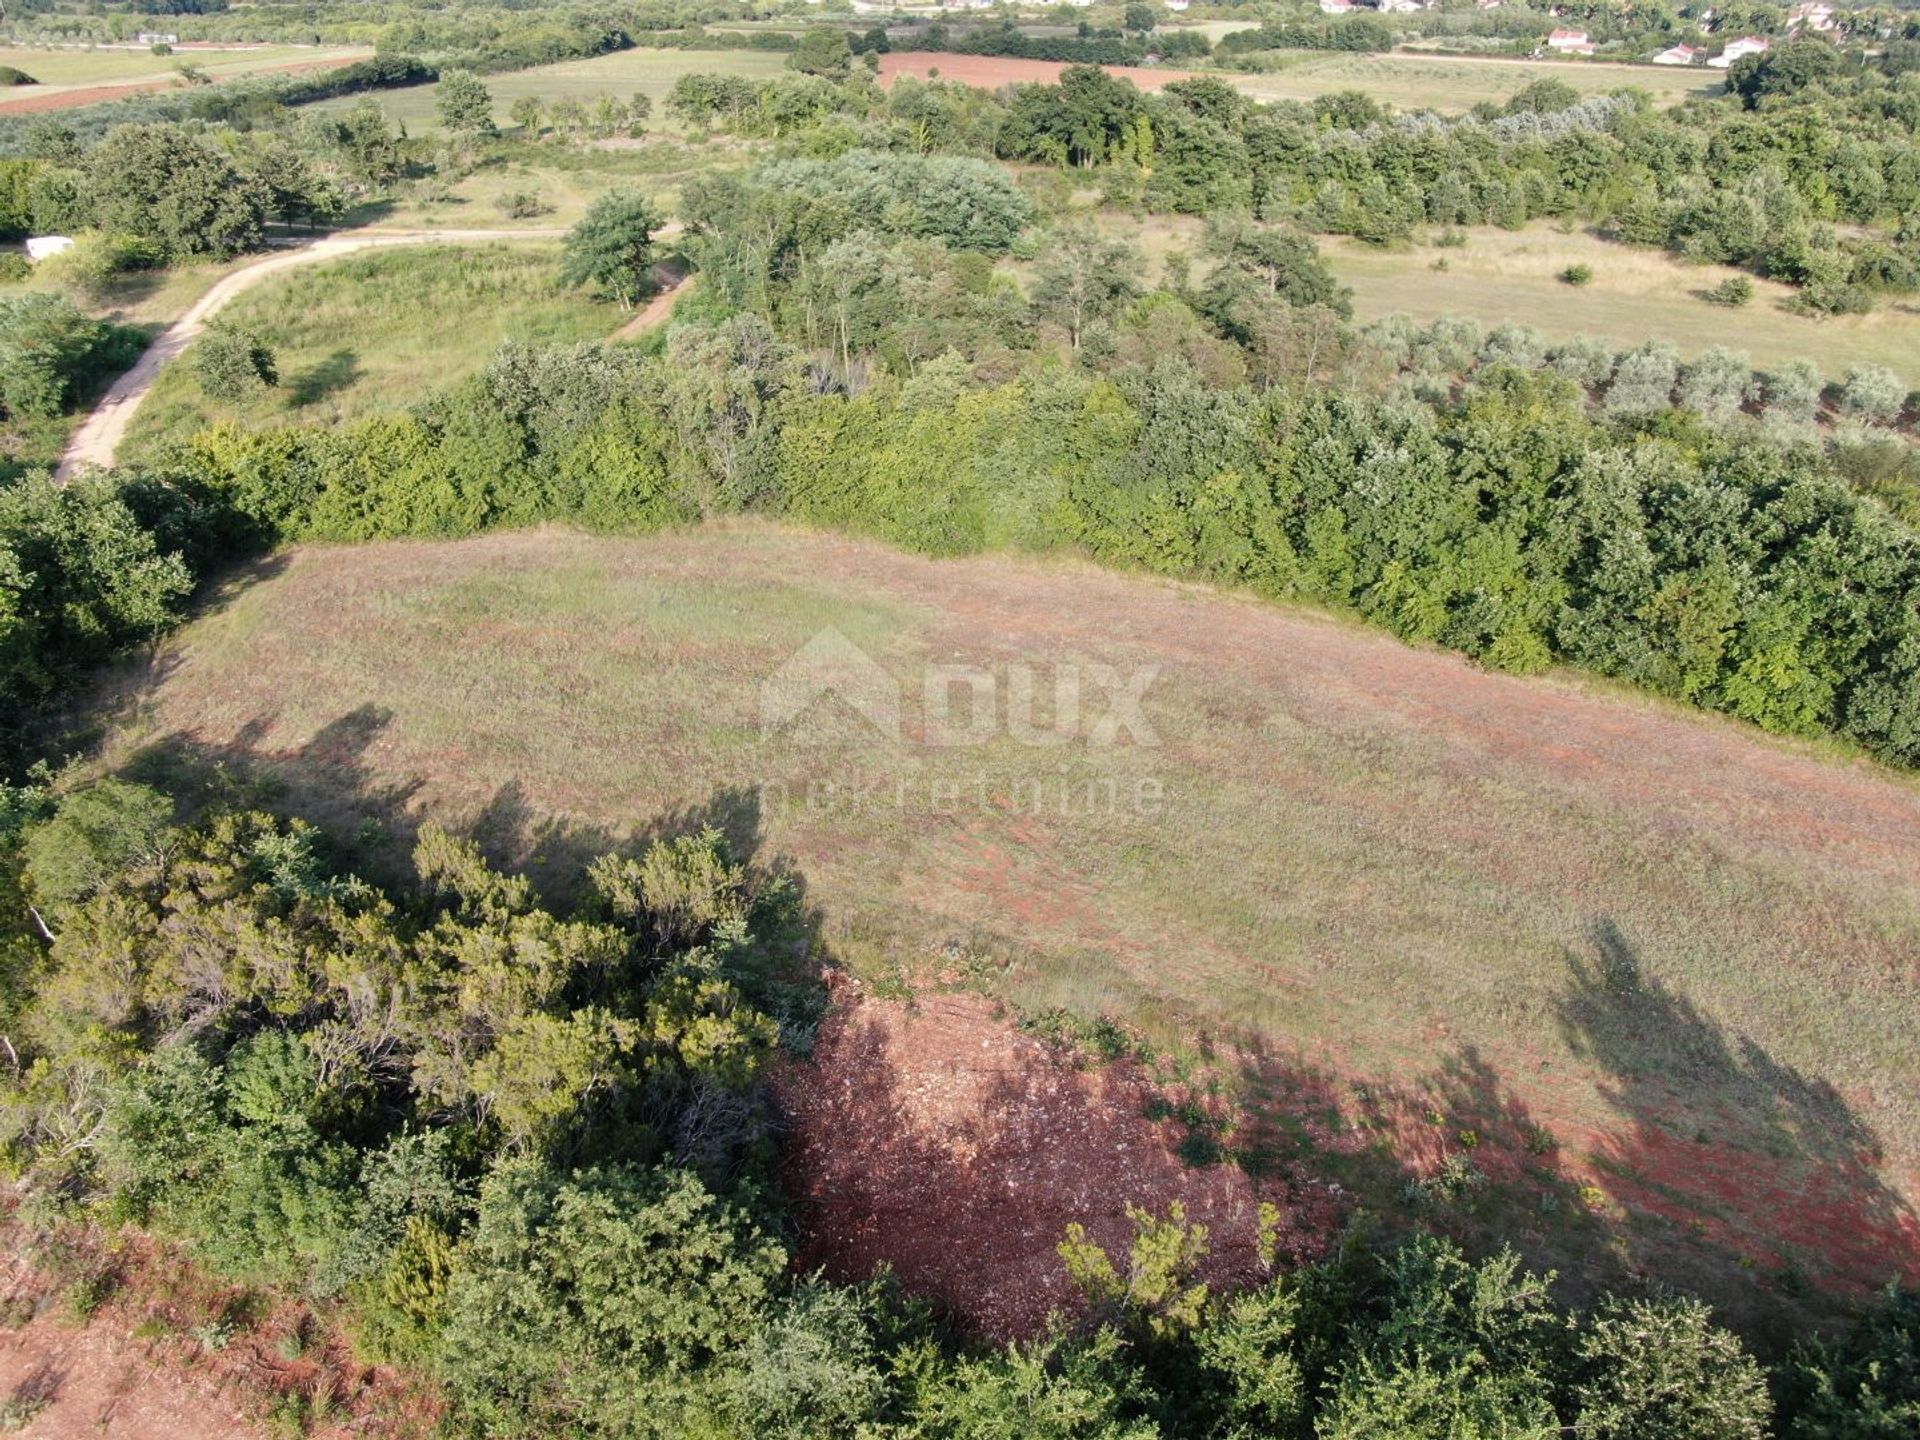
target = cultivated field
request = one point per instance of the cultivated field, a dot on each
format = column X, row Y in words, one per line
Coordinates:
column 80, row 76
column 1407, row 82
column 372, row 332
column 624, row 75
column 1649, row 971
column 1501, row 275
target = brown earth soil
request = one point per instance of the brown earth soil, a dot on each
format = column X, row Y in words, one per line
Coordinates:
column 138, row 1366
column 979, row 1145
column 990, row 72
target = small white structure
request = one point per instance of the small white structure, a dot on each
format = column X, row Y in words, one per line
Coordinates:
column 1567, row 40
column 1178, row 4
column 1739, row 49
column 1397, row 7
column 1814, row 16
column 1678, row 55
column 154, row 37
column 39, row 247
column 1337, row 7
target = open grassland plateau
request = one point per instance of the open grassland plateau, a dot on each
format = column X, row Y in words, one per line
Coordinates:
column 1547, row 926
column 1514, row 276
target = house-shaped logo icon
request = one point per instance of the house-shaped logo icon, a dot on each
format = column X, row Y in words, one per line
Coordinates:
column 831, row 665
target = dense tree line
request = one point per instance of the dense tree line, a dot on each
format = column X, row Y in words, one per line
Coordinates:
column 1712, row 180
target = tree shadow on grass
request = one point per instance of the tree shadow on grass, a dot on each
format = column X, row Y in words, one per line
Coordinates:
column 1723, row 1171
column 1725, row 1156
column 332, row 375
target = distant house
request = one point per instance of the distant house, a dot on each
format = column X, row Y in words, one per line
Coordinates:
column 1569, row 40
column 1178, row 4
column 1337, row 7
column 1814, row 16
column 1679, row 55
column 39, row 247
column 1739, row 49
column 1397, row 7
column 1489, row 4
column 156, row 37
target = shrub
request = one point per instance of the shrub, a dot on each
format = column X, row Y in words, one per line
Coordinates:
column 234, row 364
column 50, row 352
column 94, row 261
column 1577, row 274
column 1733, row 291
column 522, row 204
column 11, row 76
column 1661, row 1370
column 1874, row 393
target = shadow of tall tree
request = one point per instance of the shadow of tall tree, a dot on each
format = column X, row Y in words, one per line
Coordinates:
column 1723, row 1150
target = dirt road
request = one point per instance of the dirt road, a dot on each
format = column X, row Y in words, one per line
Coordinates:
column 99, row 436
column 71, row 97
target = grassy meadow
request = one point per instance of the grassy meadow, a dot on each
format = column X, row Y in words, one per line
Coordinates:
column 1449, row 83
column 1657, row 946
column 565, row 177
column 623, row 74
column 1500, row 276
column 380, row 331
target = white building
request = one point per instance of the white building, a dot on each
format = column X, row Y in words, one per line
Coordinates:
column 1814, row 16
column 39, row 247
column 1738, row 49
column 1569, row 40
column 1678, row 55
column 1178, row 4
column 1337, row 7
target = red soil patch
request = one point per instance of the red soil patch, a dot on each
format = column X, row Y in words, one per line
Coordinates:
column 990, row 72
column 939, row 1140
column 94, row 94
column 99, row 1381
column 137, row 1368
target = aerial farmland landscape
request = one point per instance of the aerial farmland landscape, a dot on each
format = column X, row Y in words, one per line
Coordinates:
column 838, row 721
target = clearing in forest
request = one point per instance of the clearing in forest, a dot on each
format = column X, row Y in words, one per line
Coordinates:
column 1633, row 981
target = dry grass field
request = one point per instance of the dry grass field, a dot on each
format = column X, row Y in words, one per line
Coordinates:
column 1501, row 275
column 1647, row 971
column 623, row 74
column 1450, row 83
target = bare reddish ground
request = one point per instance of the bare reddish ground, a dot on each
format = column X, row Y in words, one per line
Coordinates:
column 136, row 1369
column 990, row 72
column 94, row 94
column 938, row 1140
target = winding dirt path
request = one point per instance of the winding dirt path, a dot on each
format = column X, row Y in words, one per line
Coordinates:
column 99, row 435
column 673, row 281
